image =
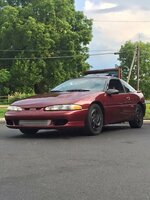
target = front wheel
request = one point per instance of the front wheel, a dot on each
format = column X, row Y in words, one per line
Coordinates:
column 94, row 121
column 137, row 122
column 28, row 131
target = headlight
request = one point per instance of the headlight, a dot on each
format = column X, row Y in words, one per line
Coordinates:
column 14, row 108
column 63, row 107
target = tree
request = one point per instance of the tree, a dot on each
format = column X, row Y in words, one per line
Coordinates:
column 43, row 42
column 126, row 56
column 4, row 80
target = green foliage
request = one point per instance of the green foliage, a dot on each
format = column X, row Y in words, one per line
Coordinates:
column 2, row 112
column 17, row 96
column 48, row 40
column 147, row 114
column 4, row 79
column 126, row 56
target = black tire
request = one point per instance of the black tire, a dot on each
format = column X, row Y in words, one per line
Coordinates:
column 28, row 131
column 94, row 121
column 137, row 122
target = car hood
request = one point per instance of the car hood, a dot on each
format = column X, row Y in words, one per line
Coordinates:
column 57, row 98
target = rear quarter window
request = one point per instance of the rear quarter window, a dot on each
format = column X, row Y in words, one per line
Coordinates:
column 128, row 88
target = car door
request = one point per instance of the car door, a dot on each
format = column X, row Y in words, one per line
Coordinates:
column 117, row 105
column 133, row 99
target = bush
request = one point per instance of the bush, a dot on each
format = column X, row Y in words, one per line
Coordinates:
column 3, row 100
column 17, row 96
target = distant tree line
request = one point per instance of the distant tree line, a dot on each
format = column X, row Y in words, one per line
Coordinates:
column 42, row 43
column 125, row 57
column 45, row 42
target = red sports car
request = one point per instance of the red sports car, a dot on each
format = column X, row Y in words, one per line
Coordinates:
column 89, row 102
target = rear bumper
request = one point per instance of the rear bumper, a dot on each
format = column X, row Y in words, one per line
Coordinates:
column 53, row 119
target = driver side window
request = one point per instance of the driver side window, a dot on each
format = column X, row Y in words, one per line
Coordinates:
column 116, row 84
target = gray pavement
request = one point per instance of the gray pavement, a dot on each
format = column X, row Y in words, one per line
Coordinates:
column 114, row 165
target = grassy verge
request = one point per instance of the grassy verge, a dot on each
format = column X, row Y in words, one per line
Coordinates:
column 2, row 111
column 147, row 116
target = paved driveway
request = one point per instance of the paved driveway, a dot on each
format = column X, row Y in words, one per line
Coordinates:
column 69, row 166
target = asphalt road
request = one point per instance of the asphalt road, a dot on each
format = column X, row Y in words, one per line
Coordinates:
column 70, row 166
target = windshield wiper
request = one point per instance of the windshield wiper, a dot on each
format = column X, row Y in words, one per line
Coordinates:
column 77, row 90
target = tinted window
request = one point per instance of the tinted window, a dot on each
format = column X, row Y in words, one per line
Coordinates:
column 116, row 84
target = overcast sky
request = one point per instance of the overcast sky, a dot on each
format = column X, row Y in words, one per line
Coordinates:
column 114, row 23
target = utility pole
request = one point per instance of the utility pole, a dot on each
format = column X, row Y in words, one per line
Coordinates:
column 132, row 64
column 136, row 59
column 138, row 67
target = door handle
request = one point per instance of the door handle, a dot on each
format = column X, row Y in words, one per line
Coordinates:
column 128, row 98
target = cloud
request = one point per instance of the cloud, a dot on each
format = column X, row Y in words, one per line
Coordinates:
column 134, row 4
column 116, row 22
column 115, row 5
column 91, row 6
column 102, row 7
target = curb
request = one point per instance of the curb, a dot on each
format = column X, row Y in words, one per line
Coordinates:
column 2, row 120
column 146, row 121
column 3, row 106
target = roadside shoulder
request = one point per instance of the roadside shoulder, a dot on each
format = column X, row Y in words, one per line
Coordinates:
column 146, row 121
column 2, row 120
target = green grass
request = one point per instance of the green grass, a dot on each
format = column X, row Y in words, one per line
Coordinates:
column 147, row 115
column 2, row 111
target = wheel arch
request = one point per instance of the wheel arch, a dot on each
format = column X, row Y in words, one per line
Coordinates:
column 143, row 107
column 102, row 107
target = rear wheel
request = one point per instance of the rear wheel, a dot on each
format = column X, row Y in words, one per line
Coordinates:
column 28, row 131
column 94, row 121
column 137, row 122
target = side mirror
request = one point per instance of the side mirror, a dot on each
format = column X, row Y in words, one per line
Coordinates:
column 112, row 91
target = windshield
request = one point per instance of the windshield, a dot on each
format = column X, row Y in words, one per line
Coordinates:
column 81, row 84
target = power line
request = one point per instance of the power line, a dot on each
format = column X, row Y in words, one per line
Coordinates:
column 103, row 53
column 62, row 57
column 37, row 58
column 18, row 50
column 56, row 57
column 73, row 56
column 57, row 51
column 60, row 51
column 32, row 50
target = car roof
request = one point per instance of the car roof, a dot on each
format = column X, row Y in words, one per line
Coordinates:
column 100, row 76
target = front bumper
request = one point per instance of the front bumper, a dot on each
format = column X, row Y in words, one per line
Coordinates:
column 45, row 119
